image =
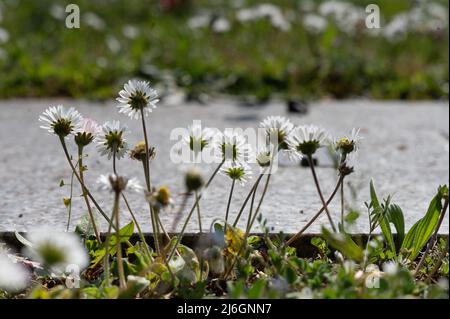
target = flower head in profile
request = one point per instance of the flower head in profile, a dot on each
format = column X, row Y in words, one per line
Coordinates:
column 86, row 131
column 264, row 157
column 349, row 144
column 111, row 140
column 139, row 153
column 116, row 184
column 160, row 199
column 237, row 171
column 233, row 147
column 193, row 180
column 198, row 138
column 277, row 129
column 13, row 276
column 306, row 140
column 57, row 120
column 56, row 250
column 137, row 98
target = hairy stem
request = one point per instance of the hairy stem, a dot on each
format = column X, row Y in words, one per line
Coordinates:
column 180, row 236
column 233, row 183
column 293, row 238
column 66, row 152
column 86, row 199
column 316, row 181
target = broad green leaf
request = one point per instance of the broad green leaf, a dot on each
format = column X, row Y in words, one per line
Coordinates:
column 421, row 232
column 395, row 216
column 343, row 243
column 257, row 289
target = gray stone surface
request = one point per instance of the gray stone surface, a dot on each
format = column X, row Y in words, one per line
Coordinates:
column 405, row 150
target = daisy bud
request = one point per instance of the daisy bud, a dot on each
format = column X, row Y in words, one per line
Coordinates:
column 193, row 180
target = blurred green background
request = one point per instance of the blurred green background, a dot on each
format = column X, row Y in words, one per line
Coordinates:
column 287, row 48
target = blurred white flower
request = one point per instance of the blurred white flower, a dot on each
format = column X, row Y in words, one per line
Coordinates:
column 93, row 20
column 390, row 268
column 113, row 183
column 4, row 35
column 221, row 25
column 57, row 120
column 56, row 250
column 314, row 23
column 264, row 10
column 130, row 31
column 112, row 139
column 137, row 97
column 199, row 21
column 13, row 276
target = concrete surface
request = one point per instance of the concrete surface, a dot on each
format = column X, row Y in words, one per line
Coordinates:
column 405, row 150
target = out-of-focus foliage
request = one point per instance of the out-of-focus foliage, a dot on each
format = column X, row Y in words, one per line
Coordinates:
column 298, row 48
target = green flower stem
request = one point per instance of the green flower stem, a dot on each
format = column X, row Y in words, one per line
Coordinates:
column 122, row 281
column 141, row 234
column 250, row 213
column 69, row 217
column 180, row 236
column 293, row 238
column 86, row 199
column 199, row 216
column 233, row 183
column 149, row 185
column 316, row 181
column 433, row 239
column 107, row 239
column 252, row 190
column 180, row 212
column 250, row 224
column 342, row 206
column 85, row 190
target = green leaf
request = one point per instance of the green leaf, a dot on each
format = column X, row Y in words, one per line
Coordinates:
column 420, row 233
column 257, row 289
column 378, row 217
column 343, row 243
column 396, row 217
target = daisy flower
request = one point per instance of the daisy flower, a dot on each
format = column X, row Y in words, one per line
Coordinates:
column 112, row 138
column 198, row 138
column 86, row 131
column 232, row 147
column 264, row 157
column 56, row 250
column 237, row 171
column 57, row 120
column 277, row 129
column 139, row 153
column 306, row 140
column 349, row 144
column 137, row 97
column 13, row 276
column 160, row 199
column 114, row 183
